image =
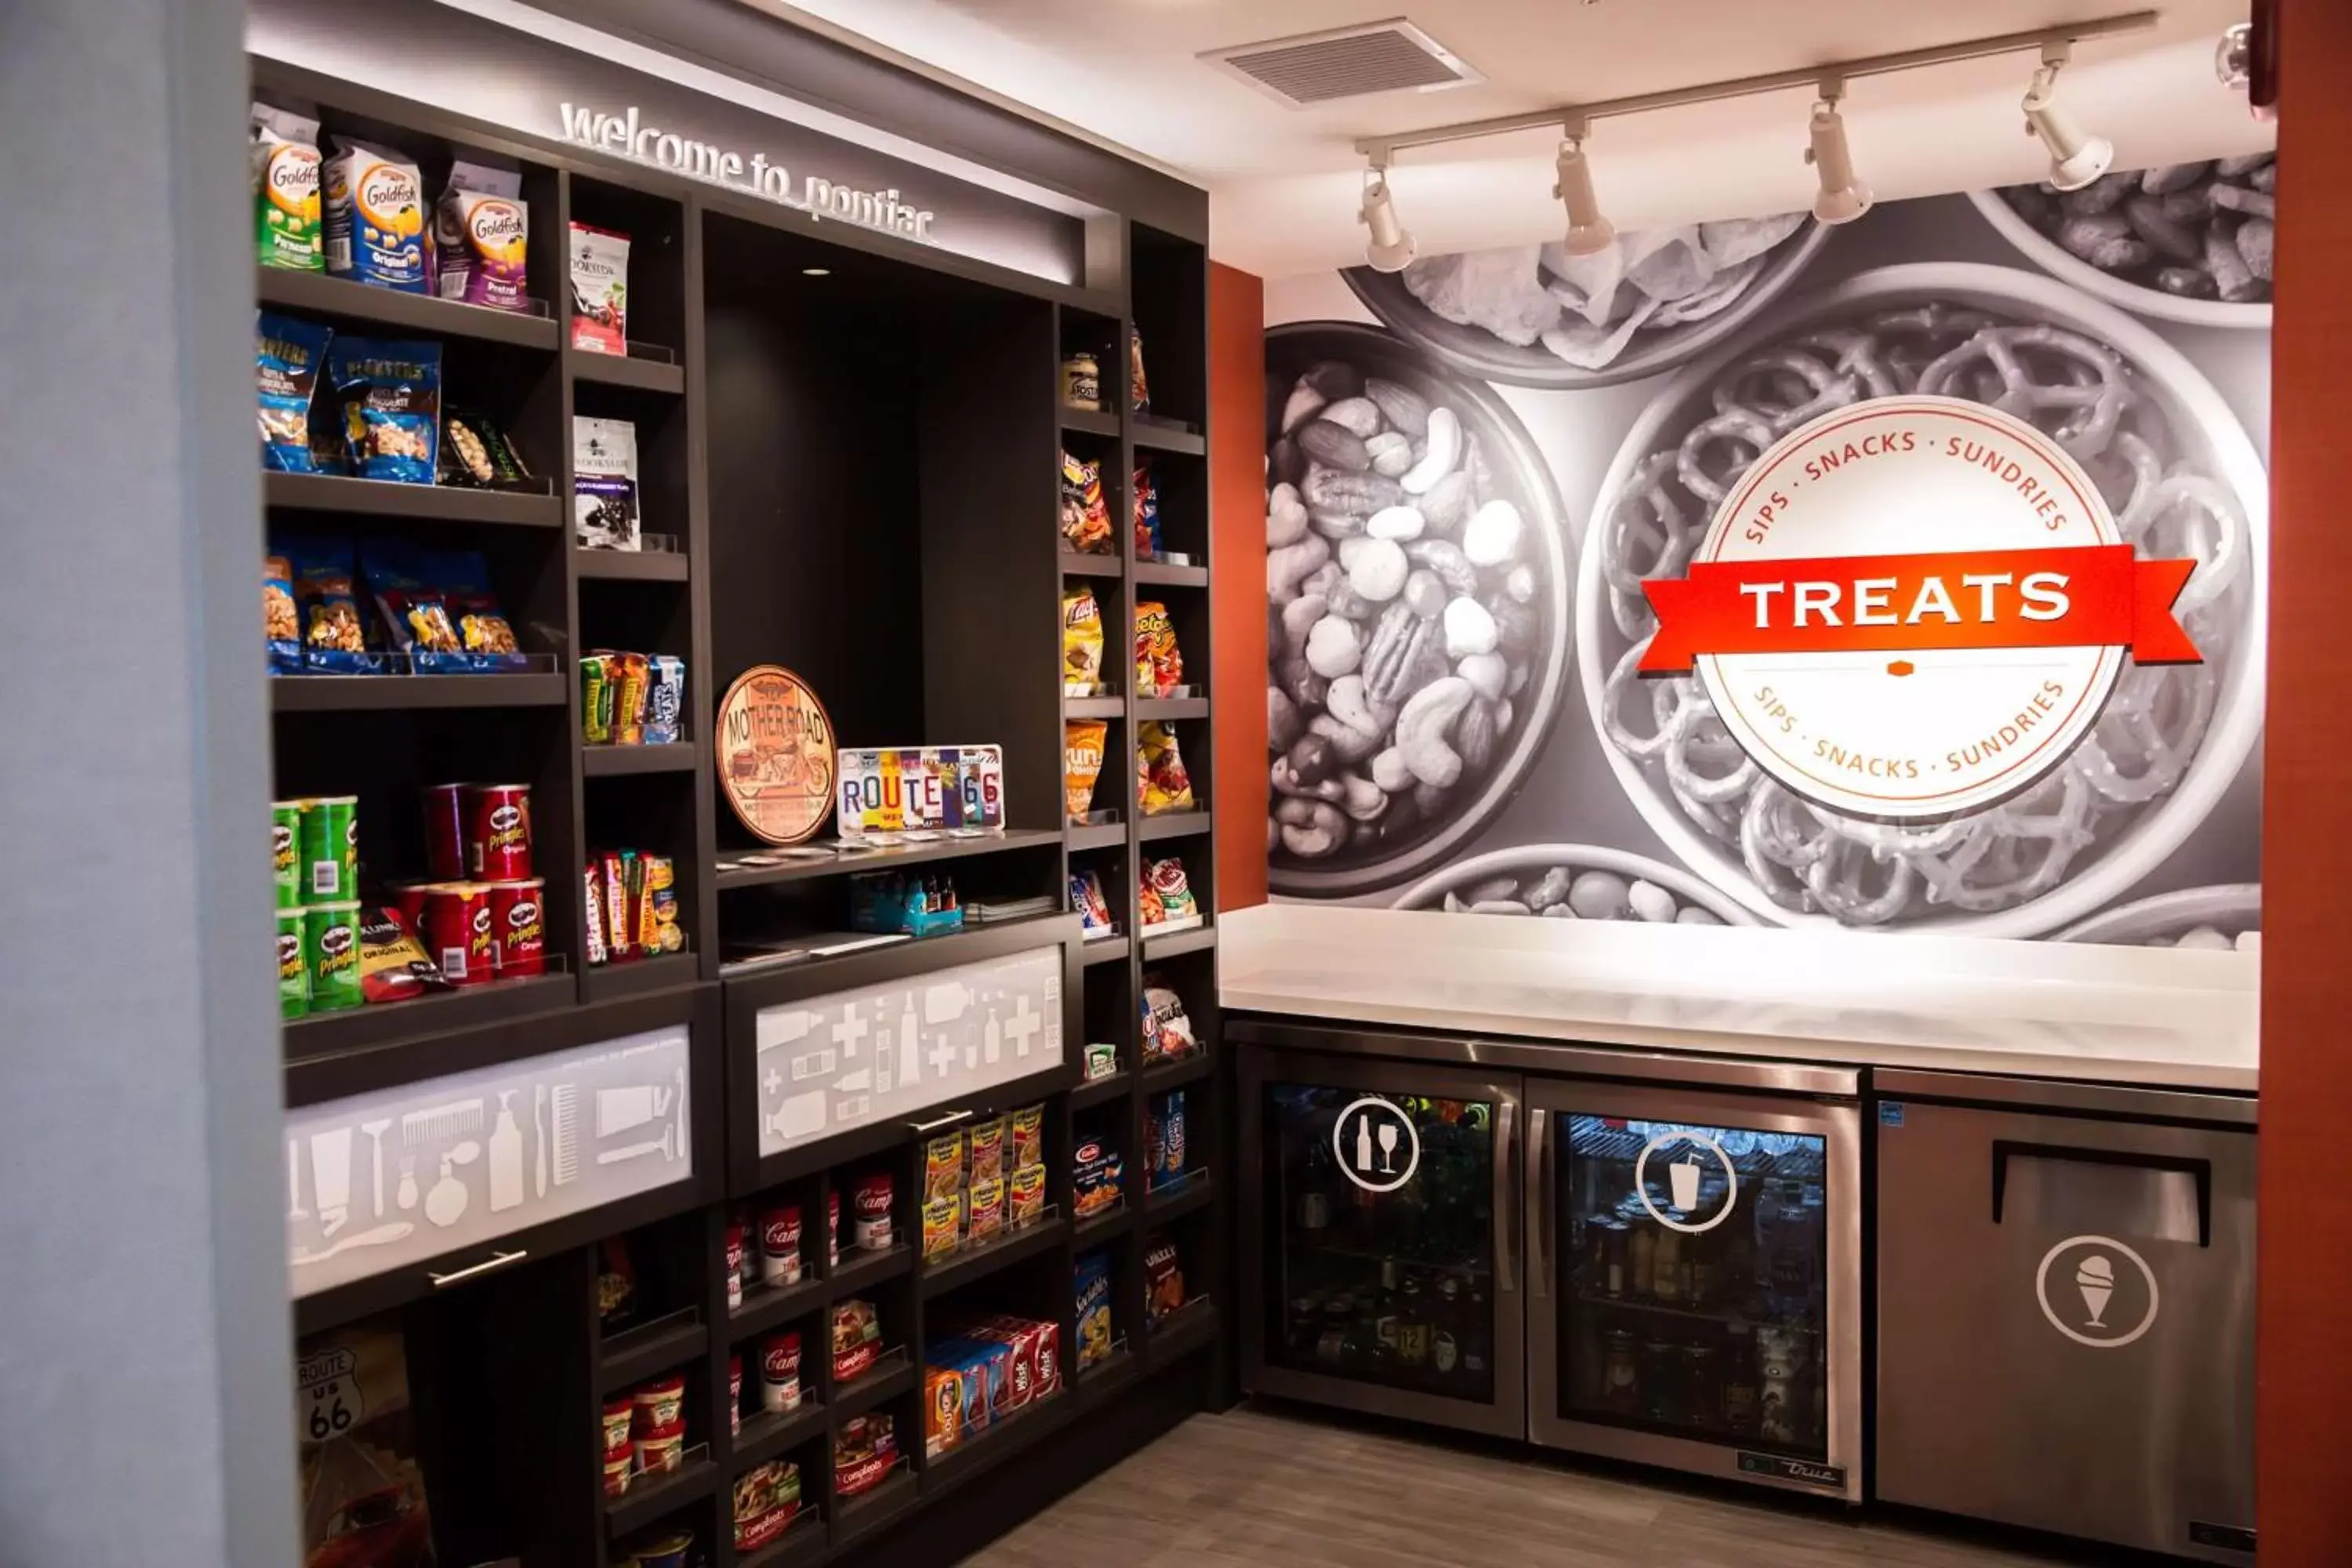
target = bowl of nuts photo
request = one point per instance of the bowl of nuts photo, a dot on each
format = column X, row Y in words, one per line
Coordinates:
column 1418, row 564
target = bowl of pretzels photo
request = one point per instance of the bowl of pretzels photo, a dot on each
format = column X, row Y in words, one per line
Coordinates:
column 2176, row 471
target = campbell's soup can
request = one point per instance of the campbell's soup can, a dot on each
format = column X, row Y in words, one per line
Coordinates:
column 446, row 832
column 873, row 1213
column 497, row 831
column 734, row 1267
column 518, row 926
column 735, row 1393
column 832, row 1228
column 780, row 1371
column 780, row 1244
column 457, row 932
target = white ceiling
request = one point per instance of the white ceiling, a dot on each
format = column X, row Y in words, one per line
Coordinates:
column 1283, row 183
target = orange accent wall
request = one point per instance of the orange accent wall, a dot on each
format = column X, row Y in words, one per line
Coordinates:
column 1237, row 577
column 2305, row 1317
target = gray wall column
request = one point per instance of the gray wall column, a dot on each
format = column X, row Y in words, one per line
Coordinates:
column 144, row 1332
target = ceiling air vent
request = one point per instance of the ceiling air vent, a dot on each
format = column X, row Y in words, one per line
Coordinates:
column 1347, row 62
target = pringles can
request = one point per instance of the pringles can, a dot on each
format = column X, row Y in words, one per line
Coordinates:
column 293, row 969
column 457, row 932
column 518, row 926
column 330, row 850
column 446, row 832
column 286, row 852
column 497, row 831
column 331, row 952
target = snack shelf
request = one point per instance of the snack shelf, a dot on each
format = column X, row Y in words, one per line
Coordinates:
column 387, row 1022
column 1190, row 1191
column 863, row 1270
column 961, row 1268
column 1155, row 434
column 773, row 1436
column 893, row 1375
column 1166, row 709
column 1108, row 1376
column 1088, row 1233
column 1168, row 574
column 801, row 871
column 636, row 371
column 1075, row 564
column 855, row 1518
column 633, row 565
column 640, row 1354
column 614, row 762
column 430, row 503
column 639, row 977
column 998, row 1441
column 771, row 1306
column 1093, row 707
column 1176, row 1075
column 1182, row 1331
column 322, row 295
column 1090, row 421
column 1100, row 1090
column 1175, row 824
column 386, row 693
column 651, row 1497
column 803, row 1541
column 1174, row 943
column 1096, row 836
column 1106, row 950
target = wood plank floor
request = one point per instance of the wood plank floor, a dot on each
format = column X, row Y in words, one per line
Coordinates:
column 1252, row 1487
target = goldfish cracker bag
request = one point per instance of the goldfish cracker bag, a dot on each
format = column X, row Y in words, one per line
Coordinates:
column 285, row 158
column 375, row 217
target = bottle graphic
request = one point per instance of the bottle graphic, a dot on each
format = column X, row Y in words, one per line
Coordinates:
column 1364, row 1141
column 506, row 1157
column 910, row 1068
column 2095, row 1277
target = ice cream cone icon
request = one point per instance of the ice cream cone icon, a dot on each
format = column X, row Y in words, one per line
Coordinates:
column 2095, row 1277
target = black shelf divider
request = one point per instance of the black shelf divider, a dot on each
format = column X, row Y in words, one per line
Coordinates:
column 882, row 859
column 635, row 565
column 388, row 693
column 772, row 1434
column 619, row 762
column 865, row 1270
column 615, row 370
column 1159, row 1080
column 1168, row 574
column 1172, row 945
column 466, row 1007
column 1105, row 950
column 640, row 977
column 317, row 293
column 429, row 503
column 1077, row 564
column 652, row 1498
column 773, row 1307
column 1101, row 1089
column 1168, row 709
column 1090, row 421
column 998, row 1441
column 1175, row 825
column 961, row 1269
column 878, row 1386
column 1095, row 706
column 1095, row 835
column 657, row 1349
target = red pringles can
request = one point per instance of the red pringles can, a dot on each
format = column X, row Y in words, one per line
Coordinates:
column 448, row 812
column 497, row 831
column 408, row 903
column 458, row 934
column 519, row 925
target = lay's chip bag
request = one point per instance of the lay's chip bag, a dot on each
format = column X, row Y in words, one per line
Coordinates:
column 285, row 159
column 375, row 217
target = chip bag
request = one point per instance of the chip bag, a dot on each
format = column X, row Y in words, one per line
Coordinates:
column 1163, row 895
column 1147, row 513
column 281, row 623
column 288, row 355
column 1085, row 515
column 391, row 398
column 394, row 965
column 1161, row 782
column 1082, row 761
column 1082, row 640
column 1159, row 662
column 1092, row 909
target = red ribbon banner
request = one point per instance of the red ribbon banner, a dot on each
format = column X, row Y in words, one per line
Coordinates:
column 2085, row 595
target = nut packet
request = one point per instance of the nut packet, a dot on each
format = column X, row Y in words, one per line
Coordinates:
column 1147, row 513
column 605, row 484
column 391, row 398
column 374, row 217
column 1025, row 1130
column 482, row 227
column 281, row 623
column 984, row 1146
column 1082, row 761
column 476, row 452
column 484, row 633
column 1085, row 515
column 285, row 160
column 944, row 1166
column 1162, row 783
column 1024, row 1196
column 334, row 636
column 1159, row 662
column 288, row 355
column 1082, row 642
column 600, row 290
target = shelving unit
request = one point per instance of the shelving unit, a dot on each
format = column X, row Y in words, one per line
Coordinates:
column 859, row 473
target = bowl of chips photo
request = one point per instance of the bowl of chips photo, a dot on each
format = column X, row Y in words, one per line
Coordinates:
column 1533, row 315
column 2176, row 471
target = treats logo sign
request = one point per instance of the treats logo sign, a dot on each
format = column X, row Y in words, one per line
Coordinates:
column 1912, row 607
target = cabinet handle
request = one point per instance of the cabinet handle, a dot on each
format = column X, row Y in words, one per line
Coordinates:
column 1507, row 1216
column 949, row 1120
column 1539, row 1146
column 496, row 1260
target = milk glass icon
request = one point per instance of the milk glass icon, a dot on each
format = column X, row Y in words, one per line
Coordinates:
column 2095, row 1277
column 1682, row 1177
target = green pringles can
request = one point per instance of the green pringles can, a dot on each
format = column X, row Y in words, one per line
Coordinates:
column 293, row 963
column 286, row 852
column 331, row 956
column 330, row 850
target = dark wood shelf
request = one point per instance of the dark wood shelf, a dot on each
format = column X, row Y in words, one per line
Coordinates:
column 1166, row 1076
column 1100, row 1381
column 1166, row 709
column 1193, row 1190
column 897, row 855
column 804, row 1541
column 1090, row 421
column 1171, row 576
column 772, row 1306
column 650, row 1497
column 1097, row 835
column 614, row 761
column 387, row 694
column 615, row 370
column 999, row 1440
column 1088, row 1234
column 1176, row 944
column 1075, row 564
column 320, row 294
column 863, row 1270
column 429, row 503
column 1098, row 1090
column 1108, row 950
column 855, row 1518
column 887, row 1380
column 638, row 1354
column 641, row 976
column 1175, row 825
column 1153, row 434
column 466, row 1007
column 633, row 565
column 771, row 1435
column 1093, row 707
column 961, row 1268
column 1182, row 1331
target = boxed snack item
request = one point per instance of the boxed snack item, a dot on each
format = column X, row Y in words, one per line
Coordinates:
column 865, row 1452
column 1095, row 1171
column 604, row 483
column 1164, row 1152
column 1167, row 1028
column 1082, row 761
column 1025, row 1134
column 969, row 1364
column 600, row 290
column 1024, row 1196
column 943, row 1400
column 984, row 1151
column 987, row 1221
column 285, row 160
column 1159, row 662
column 1085, row 515
column 1164, row 1275
column 856, row 1338
column 1102, row 1059
column 1082, row 640
column 943, row 1165
column 374, row 217
column 665, row 699
column 480, row 229
column 1161, row 785
column 288, row 354
column 363, row 1486
column 390, row 394
column 1034, row 1369
column 942, row 1225
column 1091, row 1281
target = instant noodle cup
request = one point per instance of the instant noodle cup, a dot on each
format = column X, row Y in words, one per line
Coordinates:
column 293, row 969
column 662, row 1452
column 618, row 1470
column 519, row 927
column 445, row 856
column 457, row 932
column 620, row 1415
column 497, row 831
column 660, row 1406
column 331, row 952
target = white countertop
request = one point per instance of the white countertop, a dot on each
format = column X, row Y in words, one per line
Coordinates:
column 2119, row 1015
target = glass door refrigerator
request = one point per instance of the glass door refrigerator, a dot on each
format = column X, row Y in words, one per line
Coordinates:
column 1383, row 1232
column 1694, row 1277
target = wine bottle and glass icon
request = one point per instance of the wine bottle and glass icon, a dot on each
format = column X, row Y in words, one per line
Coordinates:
column 1376, row 1144
column 1388, row 1142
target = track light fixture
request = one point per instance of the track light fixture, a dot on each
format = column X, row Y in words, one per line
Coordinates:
column 1843, row 197
column 1589, row 233
column 2075, row 159
column 1390, row 246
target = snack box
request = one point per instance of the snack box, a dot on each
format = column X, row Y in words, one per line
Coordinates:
column 943, row 1402
column 981, row 1370
column 887, row 791
column 1036, row 1368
